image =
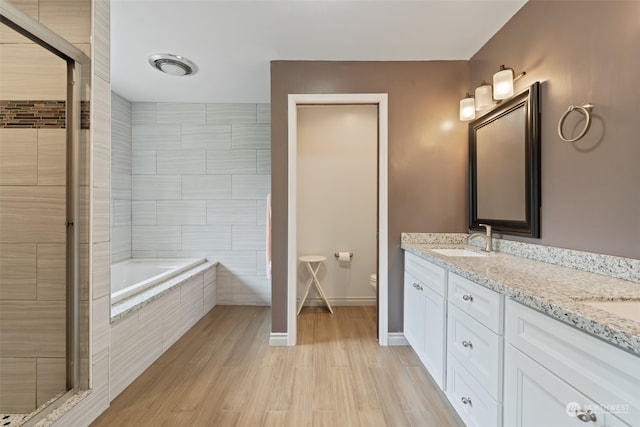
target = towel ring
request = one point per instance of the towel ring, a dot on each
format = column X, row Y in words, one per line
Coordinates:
column 584, row 109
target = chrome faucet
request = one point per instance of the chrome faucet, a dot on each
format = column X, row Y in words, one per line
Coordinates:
column 487, row 238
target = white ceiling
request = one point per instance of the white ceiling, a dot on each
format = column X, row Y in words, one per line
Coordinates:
column 232, row 42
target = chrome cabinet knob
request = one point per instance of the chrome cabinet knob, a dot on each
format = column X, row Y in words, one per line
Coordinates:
column 466, row 400
column 467, row 344
column 467, row 297
column 586, row 416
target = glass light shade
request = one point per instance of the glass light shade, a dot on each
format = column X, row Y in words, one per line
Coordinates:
column 484, row 99
column 467, row 108
column 503, row 84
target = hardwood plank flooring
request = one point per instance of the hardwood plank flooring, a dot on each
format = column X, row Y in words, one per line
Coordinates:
column 224, row 373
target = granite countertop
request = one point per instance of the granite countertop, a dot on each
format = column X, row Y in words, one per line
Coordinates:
column 552, row 289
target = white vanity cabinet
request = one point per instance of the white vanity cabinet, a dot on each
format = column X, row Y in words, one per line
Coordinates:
column 558, row 376
column 501, row 363
column 474, row 351
column 425, row 314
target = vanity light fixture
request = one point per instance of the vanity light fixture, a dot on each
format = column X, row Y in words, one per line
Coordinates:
column 467, row 108
column 503, row 83
column 484, row 99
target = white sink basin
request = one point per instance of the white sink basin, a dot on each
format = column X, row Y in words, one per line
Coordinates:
column 627, row 309
column 460, row 252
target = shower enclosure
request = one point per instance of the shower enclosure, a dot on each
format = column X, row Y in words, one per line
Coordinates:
column 43, row 215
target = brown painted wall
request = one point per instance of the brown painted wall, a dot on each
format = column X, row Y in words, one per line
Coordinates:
column 581, row 51
column 427, row 153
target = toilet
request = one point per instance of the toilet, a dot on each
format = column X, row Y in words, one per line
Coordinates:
column 373, row 279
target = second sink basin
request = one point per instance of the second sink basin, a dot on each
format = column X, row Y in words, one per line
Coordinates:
column 460, row 252
column 627, row 309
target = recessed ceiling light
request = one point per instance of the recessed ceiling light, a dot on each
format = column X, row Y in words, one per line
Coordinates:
column 173, row 65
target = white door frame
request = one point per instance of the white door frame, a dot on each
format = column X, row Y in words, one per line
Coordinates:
column 380, row 99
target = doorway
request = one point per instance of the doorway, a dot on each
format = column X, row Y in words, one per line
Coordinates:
column 380, row 101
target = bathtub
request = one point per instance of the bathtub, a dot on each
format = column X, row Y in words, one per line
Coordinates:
column 132, row 276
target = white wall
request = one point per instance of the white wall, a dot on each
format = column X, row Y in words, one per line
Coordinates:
column 337, row 197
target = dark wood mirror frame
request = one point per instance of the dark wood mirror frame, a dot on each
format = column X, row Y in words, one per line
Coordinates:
column 529, row 224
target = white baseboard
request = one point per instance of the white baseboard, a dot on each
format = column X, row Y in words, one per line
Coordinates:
column 350, row 302
column 279, row 339
column 396, row 339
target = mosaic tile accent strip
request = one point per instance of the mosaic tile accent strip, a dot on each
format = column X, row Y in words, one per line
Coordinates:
column 85, row 114
column 35, row 114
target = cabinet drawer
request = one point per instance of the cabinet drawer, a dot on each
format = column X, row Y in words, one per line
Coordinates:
column 480, row 409
column 429, row 274
column 478, row 348
column 484, row 305
column 601, row 371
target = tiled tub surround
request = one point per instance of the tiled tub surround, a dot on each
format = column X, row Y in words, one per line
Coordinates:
column 192, row 183
column 555, row 290
column 144, row 326
column 206, row 271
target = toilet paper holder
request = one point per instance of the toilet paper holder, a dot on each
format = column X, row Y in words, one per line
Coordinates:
column 337, row 254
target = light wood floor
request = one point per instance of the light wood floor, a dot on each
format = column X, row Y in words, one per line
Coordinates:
column 224, row 373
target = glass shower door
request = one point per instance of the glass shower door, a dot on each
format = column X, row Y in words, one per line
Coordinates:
column 34, row 195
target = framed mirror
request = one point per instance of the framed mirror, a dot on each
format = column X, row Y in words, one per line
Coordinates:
column 504, row 166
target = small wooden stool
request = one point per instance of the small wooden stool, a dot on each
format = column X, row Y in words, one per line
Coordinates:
column 308, row 261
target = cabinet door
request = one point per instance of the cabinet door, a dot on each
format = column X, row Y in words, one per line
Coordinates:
column 413, row 314
column 535, row 397
column 434, row 335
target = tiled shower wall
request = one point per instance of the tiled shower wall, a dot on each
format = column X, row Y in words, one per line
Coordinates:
column 120, row 178
column 200, row 177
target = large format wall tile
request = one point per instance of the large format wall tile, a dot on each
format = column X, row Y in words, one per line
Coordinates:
column 179, row 113
column 31, row 72
column 181, row 212
column 180, row 162
column 18, row 385
column 231, row 212
column 155, row 237
column 206, row 187
column 52, row 157
column 148, row 137
column 231, row 113
column 26, row 335
column 254, row 187
column 225, row 162
column 256, row 136
column 101, row 40
column 52, row 272
column 206, row 237
column 248, row 237
column 18, row 271
column 264, row 113
column 18, row 156
column 51, row 378
column 33, row 214
column 153, row 187
column 143, row 162
column 211, row 137
column 143, row 212
column 71, row 19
